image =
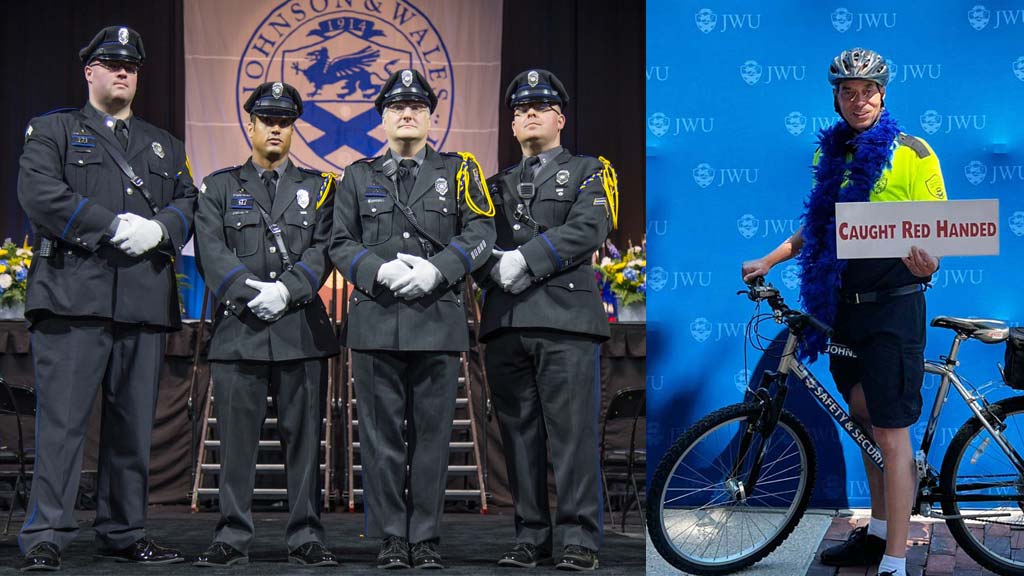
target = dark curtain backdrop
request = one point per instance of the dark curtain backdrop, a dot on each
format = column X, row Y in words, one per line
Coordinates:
column 42, row 72
column 596, row 47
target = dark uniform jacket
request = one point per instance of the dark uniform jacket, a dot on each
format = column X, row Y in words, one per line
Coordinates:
column 72, row 191
column 370, row 230
column 571, row 208
column 233, row 244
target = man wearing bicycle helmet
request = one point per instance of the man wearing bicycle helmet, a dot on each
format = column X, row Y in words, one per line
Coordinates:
column 876, row 305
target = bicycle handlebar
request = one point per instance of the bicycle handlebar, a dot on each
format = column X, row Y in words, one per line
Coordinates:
column 759, row 290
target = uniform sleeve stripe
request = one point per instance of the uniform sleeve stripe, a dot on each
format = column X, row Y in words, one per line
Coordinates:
column 469, row 262
column 558, row 259
column 72, row 219
column 312, row 277
column 227, row 278
column 352, row 266
column 184, row 221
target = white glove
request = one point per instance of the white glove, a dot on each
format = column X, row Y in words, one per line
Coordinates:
column 271, row 302
column 390, row 272
column 139, row 236
column 420, row 280
column 512, row 271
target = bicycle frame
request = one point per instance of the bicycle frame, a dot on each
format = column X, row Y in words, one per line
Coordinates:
column 789, row 363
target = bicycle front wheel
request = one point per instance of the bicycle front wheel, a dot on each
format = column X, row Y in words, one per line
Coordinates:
column 703, row 515
column 983, row 490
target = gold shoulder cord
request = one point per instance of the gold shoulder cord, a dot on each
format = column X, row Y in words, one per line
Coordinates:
column 188, row 167
column 462, row 178
column 610, row 182
column 325, row 188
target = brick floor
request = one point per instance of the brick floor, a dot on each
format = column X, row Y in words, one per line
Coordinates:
column 931, row 551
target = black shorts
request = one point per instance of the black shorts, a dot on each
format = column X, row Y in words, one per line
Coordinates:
column 888, row 338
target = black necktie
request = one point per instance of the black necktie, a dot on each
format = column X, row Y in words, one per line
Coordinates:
column 528, row 172
column 405, row 179
column 270, row 181
column 121, row 132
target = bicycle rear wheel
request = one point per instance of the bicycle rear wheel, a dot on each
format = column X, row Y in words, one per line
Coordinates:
column 702, row 516
column 979, row 481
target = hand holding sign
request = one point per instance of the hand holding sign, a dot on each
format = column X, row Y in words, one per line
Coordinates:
column 921, row 263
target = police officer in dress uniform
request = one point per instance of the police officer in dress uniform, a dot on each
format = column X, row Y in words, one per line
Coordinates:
column 408, row 226
column 543, row 322
column 262, row 234
column 111, row 200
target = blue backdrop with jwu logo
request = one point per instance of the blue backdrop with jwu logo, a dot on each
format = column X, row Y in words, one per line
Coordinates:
column 736, row 95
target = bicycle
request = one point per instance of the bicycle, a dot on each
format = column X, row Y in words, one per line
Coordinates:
column 732, row 488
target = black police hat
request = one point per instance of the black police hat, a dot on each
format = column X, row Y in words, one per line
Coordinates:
column 114, row 43
column 274, row 99
column 406, row 84
column 536, row 85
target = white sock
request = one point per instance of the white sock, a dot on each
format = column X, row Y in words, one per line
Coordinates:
column 877, row 527
column 893, row 564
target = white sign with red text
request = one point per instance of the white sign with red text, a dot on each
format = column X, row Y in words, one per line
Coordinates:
column 889, row 229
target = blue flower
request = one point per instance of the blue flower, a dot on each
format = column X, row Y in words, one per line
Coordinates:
column 630, row 274
column 642, row 289
column 613, row 252
column 20, row 275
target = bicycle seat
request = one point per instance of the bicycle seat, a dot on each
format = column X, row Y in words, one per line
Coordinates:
column 986, row 330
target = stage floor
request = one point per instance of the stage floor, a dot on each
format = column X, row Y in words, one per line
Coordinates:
column 471, row 544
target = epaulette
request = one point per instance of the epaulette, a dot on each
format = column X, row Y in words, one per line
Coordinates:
column 509, row 169
column 58, row 111
column 309, row 171
column 366, row 160
column 915, row 144
column 223, row 170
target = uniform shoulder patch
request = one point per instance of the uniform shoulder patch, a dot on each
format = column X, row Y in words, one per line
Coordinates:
column 915, row 144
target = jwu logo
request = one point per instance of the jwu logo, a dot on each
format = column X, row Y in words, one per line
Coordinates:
column 705, row 175
column 701, row 329
column 843, row 20
column 707, row 21
column 906, row 72
column 749, row 226
column 977, row 172
column 932, row 121
column 797, row 123
column 958, row 277
column 791, row 276
column 661, row 124
column 979, row 16
column 1018, row 68
column 1016, row 222
column 659, row 279
column 751, row 71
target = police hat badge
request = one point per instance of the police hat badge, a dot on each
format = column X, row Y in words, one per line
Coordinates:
column 532, row 78
column 562, row 176
column 441, row 186
column 302, row 197
column 277, row 89
column 158, row 149
column 122, row 36
column 407, row 77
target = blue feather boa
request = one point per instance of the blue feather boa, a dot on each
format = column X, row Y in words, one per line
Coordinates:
column 821, row 272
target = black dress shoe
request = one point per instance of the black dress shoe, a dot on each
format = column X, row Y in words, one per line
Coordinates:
column 143, row 551
column 860, row 549
column 523, row 555
column 42, row 556
column 577, row 558
column 425, row 555
column 219, row 555
column 312, row 554
column 394, row 553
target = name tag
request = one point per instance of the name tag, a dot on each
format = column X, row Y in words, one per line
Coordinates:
column 242, row 202
column 83, row 141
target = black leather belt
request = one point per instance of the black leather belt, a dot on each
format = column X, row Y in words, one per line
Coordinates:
column 881, row 295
